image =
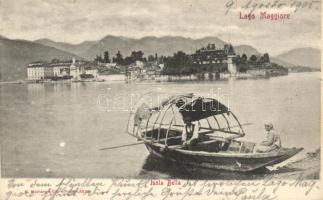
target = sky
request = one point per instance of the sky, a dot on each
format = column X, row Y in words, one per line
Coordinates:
column 75, row 21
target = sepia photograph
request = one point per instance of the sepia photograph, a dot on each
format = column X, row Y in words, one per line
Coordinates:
column 161, row 92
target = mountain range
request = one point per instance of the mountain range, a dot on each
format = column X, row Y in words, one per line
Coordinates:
column 72, row 48
column 307, row 57
column 149, row 45
column 16, row 54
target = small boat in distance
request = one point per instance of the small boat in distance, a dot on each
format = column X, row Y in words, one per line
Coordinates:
column 218, row 146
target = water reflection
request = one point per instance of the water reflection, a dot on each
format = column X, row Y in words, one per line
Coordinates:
column 35, row 88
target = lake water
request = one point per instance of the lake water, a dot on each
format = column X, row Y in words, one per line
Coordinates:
column 56, row 130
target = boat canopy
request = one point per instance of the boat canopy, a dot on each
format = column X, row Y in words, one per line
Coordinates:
column 194, row 109
column 177, row 110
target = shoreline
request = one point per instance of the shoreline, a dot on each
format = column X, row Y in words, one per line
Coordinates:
column 165, row 78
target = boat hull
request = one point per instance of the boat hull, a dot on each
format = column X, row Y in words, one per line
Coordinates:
column 242, row 162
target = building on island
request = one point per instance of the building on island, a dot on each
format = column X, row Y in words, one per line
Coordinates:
column 110, row 65
column 217, row 59
column 232, row 67
column 90, row 69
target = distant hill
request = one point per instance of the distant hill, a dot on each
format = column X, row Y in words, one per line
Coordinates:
column 280, row 62
column 149, row 45
column 72, row 48
column 15, row 55
column 307, row 57
column 163, row 45
column 1, row 37
column 249, row 50
column 303, row 69
column 246, row 49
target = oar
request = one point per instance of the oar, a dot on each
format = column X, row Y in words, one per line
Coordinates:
column 120, row 146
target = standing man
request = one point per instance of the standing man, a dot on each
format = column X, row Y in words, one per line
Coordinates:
column 272, row 141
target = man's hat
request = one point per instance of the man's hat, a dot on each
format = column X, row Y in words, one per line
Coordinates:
column 269, row 124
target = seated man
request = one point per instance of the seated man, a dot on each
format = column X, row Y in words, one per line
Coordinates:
column 190, row 133
column 272, row 141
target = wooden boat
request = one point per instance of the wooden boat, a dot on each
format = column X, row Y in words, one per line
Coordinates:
column 219, row 145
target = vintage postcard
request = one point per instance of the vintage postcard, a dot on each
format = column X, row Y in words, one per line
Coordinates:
column 160, row 99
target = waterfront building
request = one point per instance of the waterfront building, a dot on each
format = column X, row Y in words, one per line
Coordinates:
column 110, row 65
column 89, row 68
column 139, row 64
column 92, row 71
column 35, row 71
column 57, row 70
column 75, row 70
column 61, row 68
column 48, row 71
column 161, row 66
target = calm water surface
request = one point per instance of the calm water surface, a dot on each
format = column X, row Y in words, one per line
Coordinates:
column 55, row 130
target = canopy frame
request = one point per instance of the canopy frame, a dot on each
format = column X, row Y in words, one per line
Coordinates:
column 165, row 109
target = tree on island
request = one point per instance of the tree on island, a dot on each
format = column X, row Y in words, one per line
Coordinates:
column 151, row 58
column 266, row 58
column 55, row 60
column 118, row 59
column 228, row 49
column 137, row 56
column 179, row 64
column 128, row 60
column 244, row 58
column 106, row 57
column 242, row 63
column 98, row 59
column 253, row 59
